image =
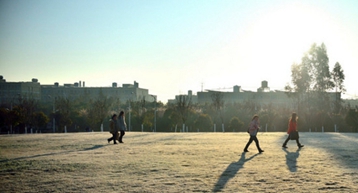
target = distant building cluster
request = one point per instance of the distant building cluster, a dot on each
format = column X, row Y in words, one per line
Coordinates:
column 10, row 91
column 263, row 96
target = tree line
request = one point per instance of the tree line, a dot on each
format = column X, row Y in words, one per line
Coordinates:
column 311, row 82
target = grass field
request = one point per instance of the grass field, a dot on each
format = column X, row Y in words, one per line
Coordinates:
column 177, row 162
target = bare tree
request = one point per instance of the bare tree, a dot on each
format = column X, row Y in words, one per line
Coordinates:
column 218, row 103
column 183, row 107
column 98, row 110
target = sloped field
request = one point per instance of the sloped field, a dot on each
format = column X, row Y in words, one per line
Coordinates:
column 177, row 162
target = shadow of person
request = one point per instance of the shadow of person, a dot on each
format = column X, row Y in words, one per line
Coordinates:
column 93, row 148
column 51, row 154
column 291, row 159
column 231, row 171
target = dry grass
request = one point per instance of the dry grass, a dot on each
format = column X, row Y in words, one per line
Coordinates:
column 177, row 162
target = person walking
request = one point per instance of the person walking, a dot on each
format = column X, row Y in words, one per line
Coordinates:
column 253, row 129
column 122, row 126
column 292, row 131
column 113, row 129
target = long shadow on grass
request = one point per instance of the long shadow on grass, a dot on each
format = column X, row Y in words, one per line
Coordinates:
column 291, row 159
column 342, row 146
column 231, row 171
column 50, row 154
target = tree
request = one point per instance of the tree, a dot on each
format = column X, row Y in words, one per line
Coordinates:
column 268, row 116
column 142, row 111
column 313, row 72
column 63, row 108
column 235, row 123
column 4, row 120
column 98, row 110
column 203, row 123
column 148, row 119
column 311, row 80
column 218, row 103
column 352, row 119
column 301, row 81
column 174, row 118
column 183, row 107
column 23, row 110
column 170, row 118
column 338, row 79
column 318, row 59
column 40, row 119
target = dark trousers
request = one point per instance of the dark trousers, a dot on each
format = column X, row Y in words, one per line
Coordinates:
column 253, row 138
column 114, row 137
column 121, row 136
column 288, row 139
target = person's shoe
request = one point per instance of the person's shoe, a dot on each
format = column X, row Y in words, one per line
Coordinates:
column 121, row 142
column 284, row 146
column 300, row 146
column 260, row 151
column 245, row 150
column 108, row 140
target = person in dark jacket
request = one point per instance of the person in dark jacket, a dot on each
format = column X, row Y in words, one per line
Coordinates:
column 122, row 126
column 113, row 129
column 253, row 129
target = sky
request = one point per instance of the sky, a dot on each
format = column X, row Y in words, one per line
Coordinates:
column 172, row 46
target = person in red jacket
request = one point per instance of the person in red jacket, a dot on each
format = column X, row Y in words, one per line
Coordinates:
column 292, row 130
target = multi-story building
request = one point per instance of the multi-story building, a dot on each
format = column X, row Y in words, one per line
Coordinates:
column 125, row 93
column 263, row 96
column 193, row 98
column 11, row 91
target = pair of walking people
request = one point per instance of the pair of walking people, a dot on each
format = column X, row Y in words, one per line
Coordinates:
column 254, row 127
column 117, row 124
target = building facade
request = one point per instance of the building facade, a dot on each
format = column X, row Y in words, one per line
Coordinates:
column 10, row 91
column 128, row 92
column 263, row 96
column 189, row 97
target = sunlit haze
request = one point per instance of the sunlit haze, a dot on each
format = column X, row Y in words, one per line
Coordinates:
column 170, row 47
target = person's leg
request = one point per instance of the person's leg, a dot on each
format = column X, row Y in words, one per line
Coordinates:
column 121, row 136
column 248, row 144
column 114, row 138
column 285, row 143
column 257, row 144
column 110, row 139
column 298, row 143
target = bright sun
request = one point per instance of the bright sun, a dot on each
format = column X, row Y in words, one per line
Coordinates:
column 279, row 37
column 288, row 31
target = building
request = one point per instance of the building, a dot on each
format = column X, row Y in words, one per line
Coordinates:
column 193, row 98
column 11, row 91
column 125, row 93
column 263, row 96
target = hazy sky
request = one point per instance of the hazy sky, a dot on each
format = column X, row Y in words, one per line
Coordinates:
column 172, row 46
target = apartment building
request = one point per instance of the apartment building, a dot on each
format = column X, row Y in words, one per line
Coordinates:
column 263, row 96
column 128, row 92
column 9, row 91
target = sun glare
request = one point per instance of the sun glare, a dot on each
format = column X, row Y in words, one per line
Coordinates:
column 285, row 33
